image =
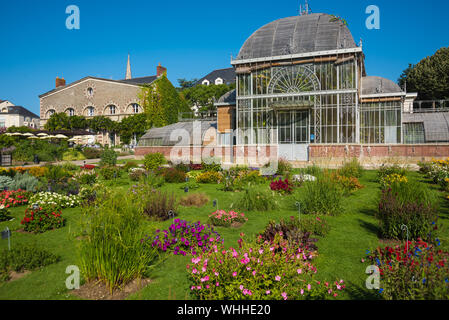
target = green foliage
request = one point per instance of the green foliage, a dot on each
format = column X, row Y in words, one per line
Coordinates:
column 45, row 150
column 56, row 174
column 24, row 181
column 103, row 124
column 322, row 196
column 154, row 204
column 314, row 171
column 430, row 77
column 209, row 177
column 130, row 165
column 109, row 172
column 73, row 155
column 411, row 204
column 153, row 161
column 135, row 174
column 351, row 169
column 205, row 96
column 58, row 121
column 112, row 251
column 92, row 153
column 88, row 177
column 5, row 214
column 172, row 175
column 211, row 164
column 135, row 124
column 24, row 258
column 108, row 157
column 251, row 199
column 162, row 103
column 5, row 182
column 284, row 167
column 388, row 170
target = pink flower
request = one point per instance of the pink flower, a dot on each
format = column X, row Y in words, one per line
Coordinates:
column 254, row 273
column 260, row 251
column 194, row 271
column 206, row 278
column 268, row 292
column 217, row 284
column 299, row 271
column 277, row 278
column 216, row 274
column 309, row 287
column 284, row 295
column 234, row 274
column 241, row 287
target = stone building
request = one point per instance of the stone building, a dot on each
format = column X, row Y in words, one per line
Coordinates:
column 16, row 116
column 92, row 96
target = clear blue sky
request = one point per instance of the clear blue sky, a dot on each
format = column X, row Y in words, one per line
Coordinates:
column 190, row 38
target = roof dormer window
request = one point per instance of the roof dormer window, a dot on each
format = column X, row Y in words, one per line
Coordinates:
column 219, row 81
column 206, row 82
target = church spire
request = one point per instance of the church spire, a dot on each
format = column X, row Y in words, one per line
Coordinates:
column 128, row 70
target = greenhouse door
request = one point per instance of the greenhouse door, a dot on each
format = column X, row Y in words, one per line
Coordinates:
column 293, row 133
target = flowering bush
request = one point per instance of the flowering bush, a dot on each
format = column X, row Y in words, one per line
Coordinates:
column 227, row 219
column 14, row 198
column 184, row 237
column 88, row 167
column 55, row 199
column 38, row 171
column 281, row 186
column 347, row 184
column 387, row 181
column 209, row 177
column 262, row 271
column 136, row 173
column 42, row 219
column 412, row 271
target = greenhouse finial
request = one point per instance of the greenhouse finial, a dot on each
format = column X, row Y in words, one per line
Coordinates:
column 304, row 10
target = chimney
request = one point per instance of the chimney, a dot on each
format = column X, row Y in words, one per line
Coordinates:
column 161, row 70
column 60, row 82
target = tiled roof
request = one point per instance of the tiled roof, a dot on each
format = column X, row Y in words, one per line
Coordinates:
column 228, row 76
column 21, row 111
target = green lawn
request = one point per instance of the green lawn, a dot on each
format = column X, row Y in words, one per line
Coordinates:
column 352, row 233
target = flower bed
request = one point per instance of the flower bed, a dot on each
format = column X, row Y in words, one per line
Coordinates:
column 227, row 219
column 184, row 237
column 283, row 187
column 42, row 219
column 412, row 271
column 14, row 198
column 56, row 199
column 88, row 167
column 261, row 271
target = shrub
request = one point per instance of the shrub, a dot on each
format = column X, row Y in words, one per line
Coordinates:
column 347, row 184
column 222, row 218
column 130, row 165
column 154, row 204
column 261, row 271
column 38, row 172
column 351, row 169
column 254, row 200
column 109, row 173
column 280, row 186
column 211, row 164
column 57, row 174
column 194, row 200
column 7, row 172
column 112, row 252
column 193, row 174
column 409, row 204
column 152, row 161
column 387, row 181
column 190, row 185
column 284, row 167
column 135, row 174
column 92, row 153
column 70, row 167
column 322, row 196
column 314, row 171
column 5, row 215
column 5, row 182
column 184, row 237
column 412, row 271
column 291, row 232
column 253, row 177
column 108, row 158
column 86, row 177
column 24, row 182
column 14, row 198
column 42, row 219
column 22, row 258
column 387, row 170
column 172, row 175
column 73, row 155
column 209, row 177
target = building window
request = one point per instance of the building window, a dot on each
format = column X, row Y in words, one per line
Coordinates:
column 219, row 81
column 206, row 82
column 136, row 108
column 70, row 112
column 90, row 111
column 90, row 92
column 380, row 123
column 50, row 113
column 112, row 109
column 414, row 133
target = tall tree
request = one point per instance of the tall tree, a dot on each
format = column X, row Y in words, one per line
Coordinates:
column 430, row 77
column 184, row 84
column 58, row 121
column 205, row 96
column 133, row 125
